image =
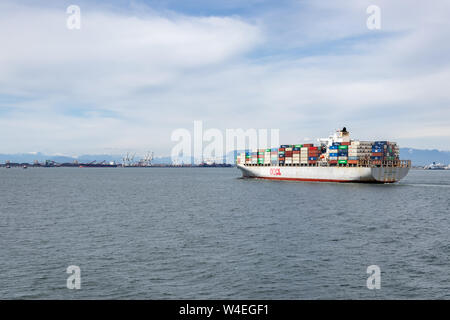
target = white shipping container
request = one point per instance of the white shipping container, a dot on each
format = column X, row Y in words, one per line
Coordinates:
column 362, row 143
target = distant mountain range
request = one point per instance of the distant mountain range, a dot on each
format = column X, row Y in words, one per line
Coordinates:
column 419, row 157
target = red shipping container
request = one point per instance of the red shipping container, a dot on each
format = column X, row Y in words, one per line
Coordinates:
column 312, row 148
column 281, row 149
column 333, row 162
column 352, row 161
column 288, row 154
column 296, row 152
column 345, row 143
column 377, row 154
column 308, row 145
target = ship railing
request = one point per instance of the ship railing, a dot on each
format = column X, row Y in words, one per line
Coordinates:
column 361, row 163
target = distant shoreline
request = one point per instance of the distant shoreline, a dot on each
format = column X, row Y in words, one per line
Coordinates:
column 82, row 166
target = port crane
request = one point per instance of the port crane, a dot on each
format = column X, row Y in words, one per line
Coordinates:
column 147, row 161
column 128, row 160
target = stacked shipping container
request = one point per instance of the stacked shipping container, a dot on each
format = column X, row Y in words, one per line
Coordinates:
column 359, row 150
column 342, row 153
column 384, row 151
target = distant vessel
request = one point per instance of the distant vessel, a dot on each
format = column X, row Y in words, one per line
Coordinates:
column 25, row 166
column 436, row 166
column 214, row 165
column 102, row 164
column 336, row 159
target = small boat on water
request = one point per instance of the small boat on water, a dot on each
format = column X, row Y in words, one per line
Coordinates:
column 25, row 166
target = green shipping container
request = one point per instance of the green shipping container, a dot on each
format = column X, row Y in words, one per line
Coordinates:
column 261, row 153
column 268, row 150
column 343, row 147
column 298, row 146
column 342, row 161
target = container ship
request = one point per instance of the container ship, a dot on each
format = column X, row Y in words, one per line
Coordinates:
column 336, row 159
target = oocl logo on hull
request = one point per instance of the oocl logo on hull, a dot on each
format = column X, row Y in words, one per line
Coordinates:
column 275, row 172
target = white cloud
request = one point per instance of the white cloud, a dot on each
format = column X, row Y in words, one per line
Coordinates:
column 125, row 82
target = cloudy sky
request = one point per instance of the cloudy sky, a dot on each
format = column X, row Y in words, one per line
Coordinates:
column 137, row 70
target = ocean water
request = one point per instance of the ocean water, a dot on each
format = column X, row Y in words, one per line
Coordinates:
column 205, row 233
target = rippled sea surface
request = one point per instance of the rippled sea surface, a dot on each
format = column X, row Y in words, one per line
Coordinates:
column 204, row 233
